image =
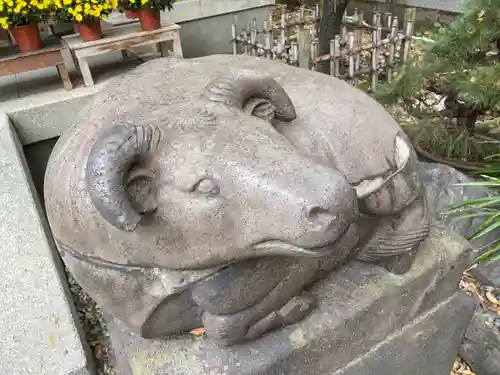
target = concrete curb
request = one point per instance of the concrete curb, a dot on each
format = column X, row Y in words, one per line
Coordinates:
column 39, row 334
column 40, row 117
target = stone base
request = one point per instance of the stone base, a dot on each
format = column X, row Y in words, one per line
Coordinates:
column 428, row 345
column 368, row 321
column 481, row 346
column 445, row 187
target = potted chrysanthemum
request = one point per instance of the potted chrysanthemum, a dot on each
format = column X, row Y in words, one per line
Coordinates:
column 86, row 14
column 130, row 8
column 148, row 11
column 22, row 17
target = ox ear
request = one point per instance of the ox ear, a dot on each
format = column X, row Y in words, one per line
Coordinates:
column 255, row 93
column 119, row 190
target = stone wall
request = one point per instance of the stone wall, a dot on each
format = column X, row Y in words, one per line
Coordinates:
column 206, row 24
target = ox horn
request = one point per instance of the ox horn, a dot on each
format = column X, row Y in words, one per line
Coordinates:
column 110, row 160
column 236, row 89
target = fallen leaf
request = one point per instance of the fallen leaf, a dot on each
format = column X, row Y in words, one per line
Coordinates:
column 50, row 340
column 491, row 297
column 461, row 368
column 198, row 331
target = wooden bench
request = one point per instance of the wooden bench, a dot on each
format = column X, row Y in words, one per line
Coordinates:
column 14, row 62
column 120, row 38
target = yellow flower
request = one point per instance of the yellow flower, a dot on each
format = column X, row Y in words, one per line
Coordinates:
column 78, row 8
column 3, row 23
column 78, row 17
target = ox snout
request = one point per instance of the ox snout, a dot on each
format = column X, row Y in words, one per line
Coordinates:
column 317, row 207
column 331, row 206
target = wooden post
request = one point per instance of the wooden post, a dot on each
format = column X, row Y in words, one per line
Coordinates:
column 409, row 17
column 304, row 46
column 337, row 53
column 350, row 46
column 253, row 37
column 314, row 53
column 392, row 48
column 375, row 57
column 235, row 36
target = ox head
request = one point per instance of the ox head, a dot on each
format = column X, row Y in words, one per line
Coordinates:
column 217, row 182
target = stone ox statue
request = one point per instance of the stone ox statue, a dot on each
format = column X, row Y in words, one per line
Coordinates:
column 213, row 192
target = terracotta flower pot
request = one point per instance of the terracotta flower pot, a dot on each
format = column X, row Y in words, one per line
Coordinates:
column 132, row 14
column 150, row 19
column 27, row 37
column 89, row 31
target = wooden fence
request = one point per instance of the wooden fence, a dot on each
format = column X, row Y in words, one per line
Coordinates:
column 363, row 53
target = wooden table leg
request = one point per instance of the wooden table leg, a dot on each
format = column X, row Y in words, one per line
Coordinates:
column 177, row 46
column 163, row 47
column 85, row 70
column 63, row 73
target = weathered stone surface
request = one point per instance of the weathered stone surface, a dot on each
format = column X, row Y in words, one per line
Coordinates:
column 481, row 346
column 216, row 191
column 442, row 192
column 46, row 116
column 362, row 308
column 428, row 345
column 488, row 275
column 38, row 333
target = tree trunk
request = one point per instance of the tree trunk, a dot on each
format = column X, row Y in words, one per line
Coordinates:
column 329, row 25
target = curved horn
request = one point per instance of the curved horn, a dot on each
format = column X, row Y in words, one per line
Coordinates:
column 237, row 88
column 109, row 162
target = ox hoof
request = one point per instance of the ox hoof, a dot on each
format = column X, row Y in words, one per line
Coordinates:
column 227, row 330
column 293, row 312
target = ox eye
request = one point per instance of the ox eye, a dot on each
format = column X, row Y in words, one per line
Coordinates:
column 206, row 186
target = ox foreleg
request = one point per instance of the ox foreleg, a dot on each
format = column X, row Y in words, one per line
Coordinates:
column 283, row 303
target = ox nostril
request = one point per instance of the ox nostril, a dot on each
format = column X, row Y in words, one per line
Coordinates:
column 320, row 217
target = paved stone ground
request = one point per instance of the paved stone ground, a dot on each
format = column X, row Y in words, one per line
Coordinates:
column 38, row 334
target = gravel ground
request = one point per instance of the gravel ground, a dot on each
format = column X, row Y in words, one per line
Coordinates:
column 96, row 334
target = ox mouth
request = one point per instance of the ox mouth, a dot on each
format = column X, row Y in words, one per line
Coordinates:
column 279, row 247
